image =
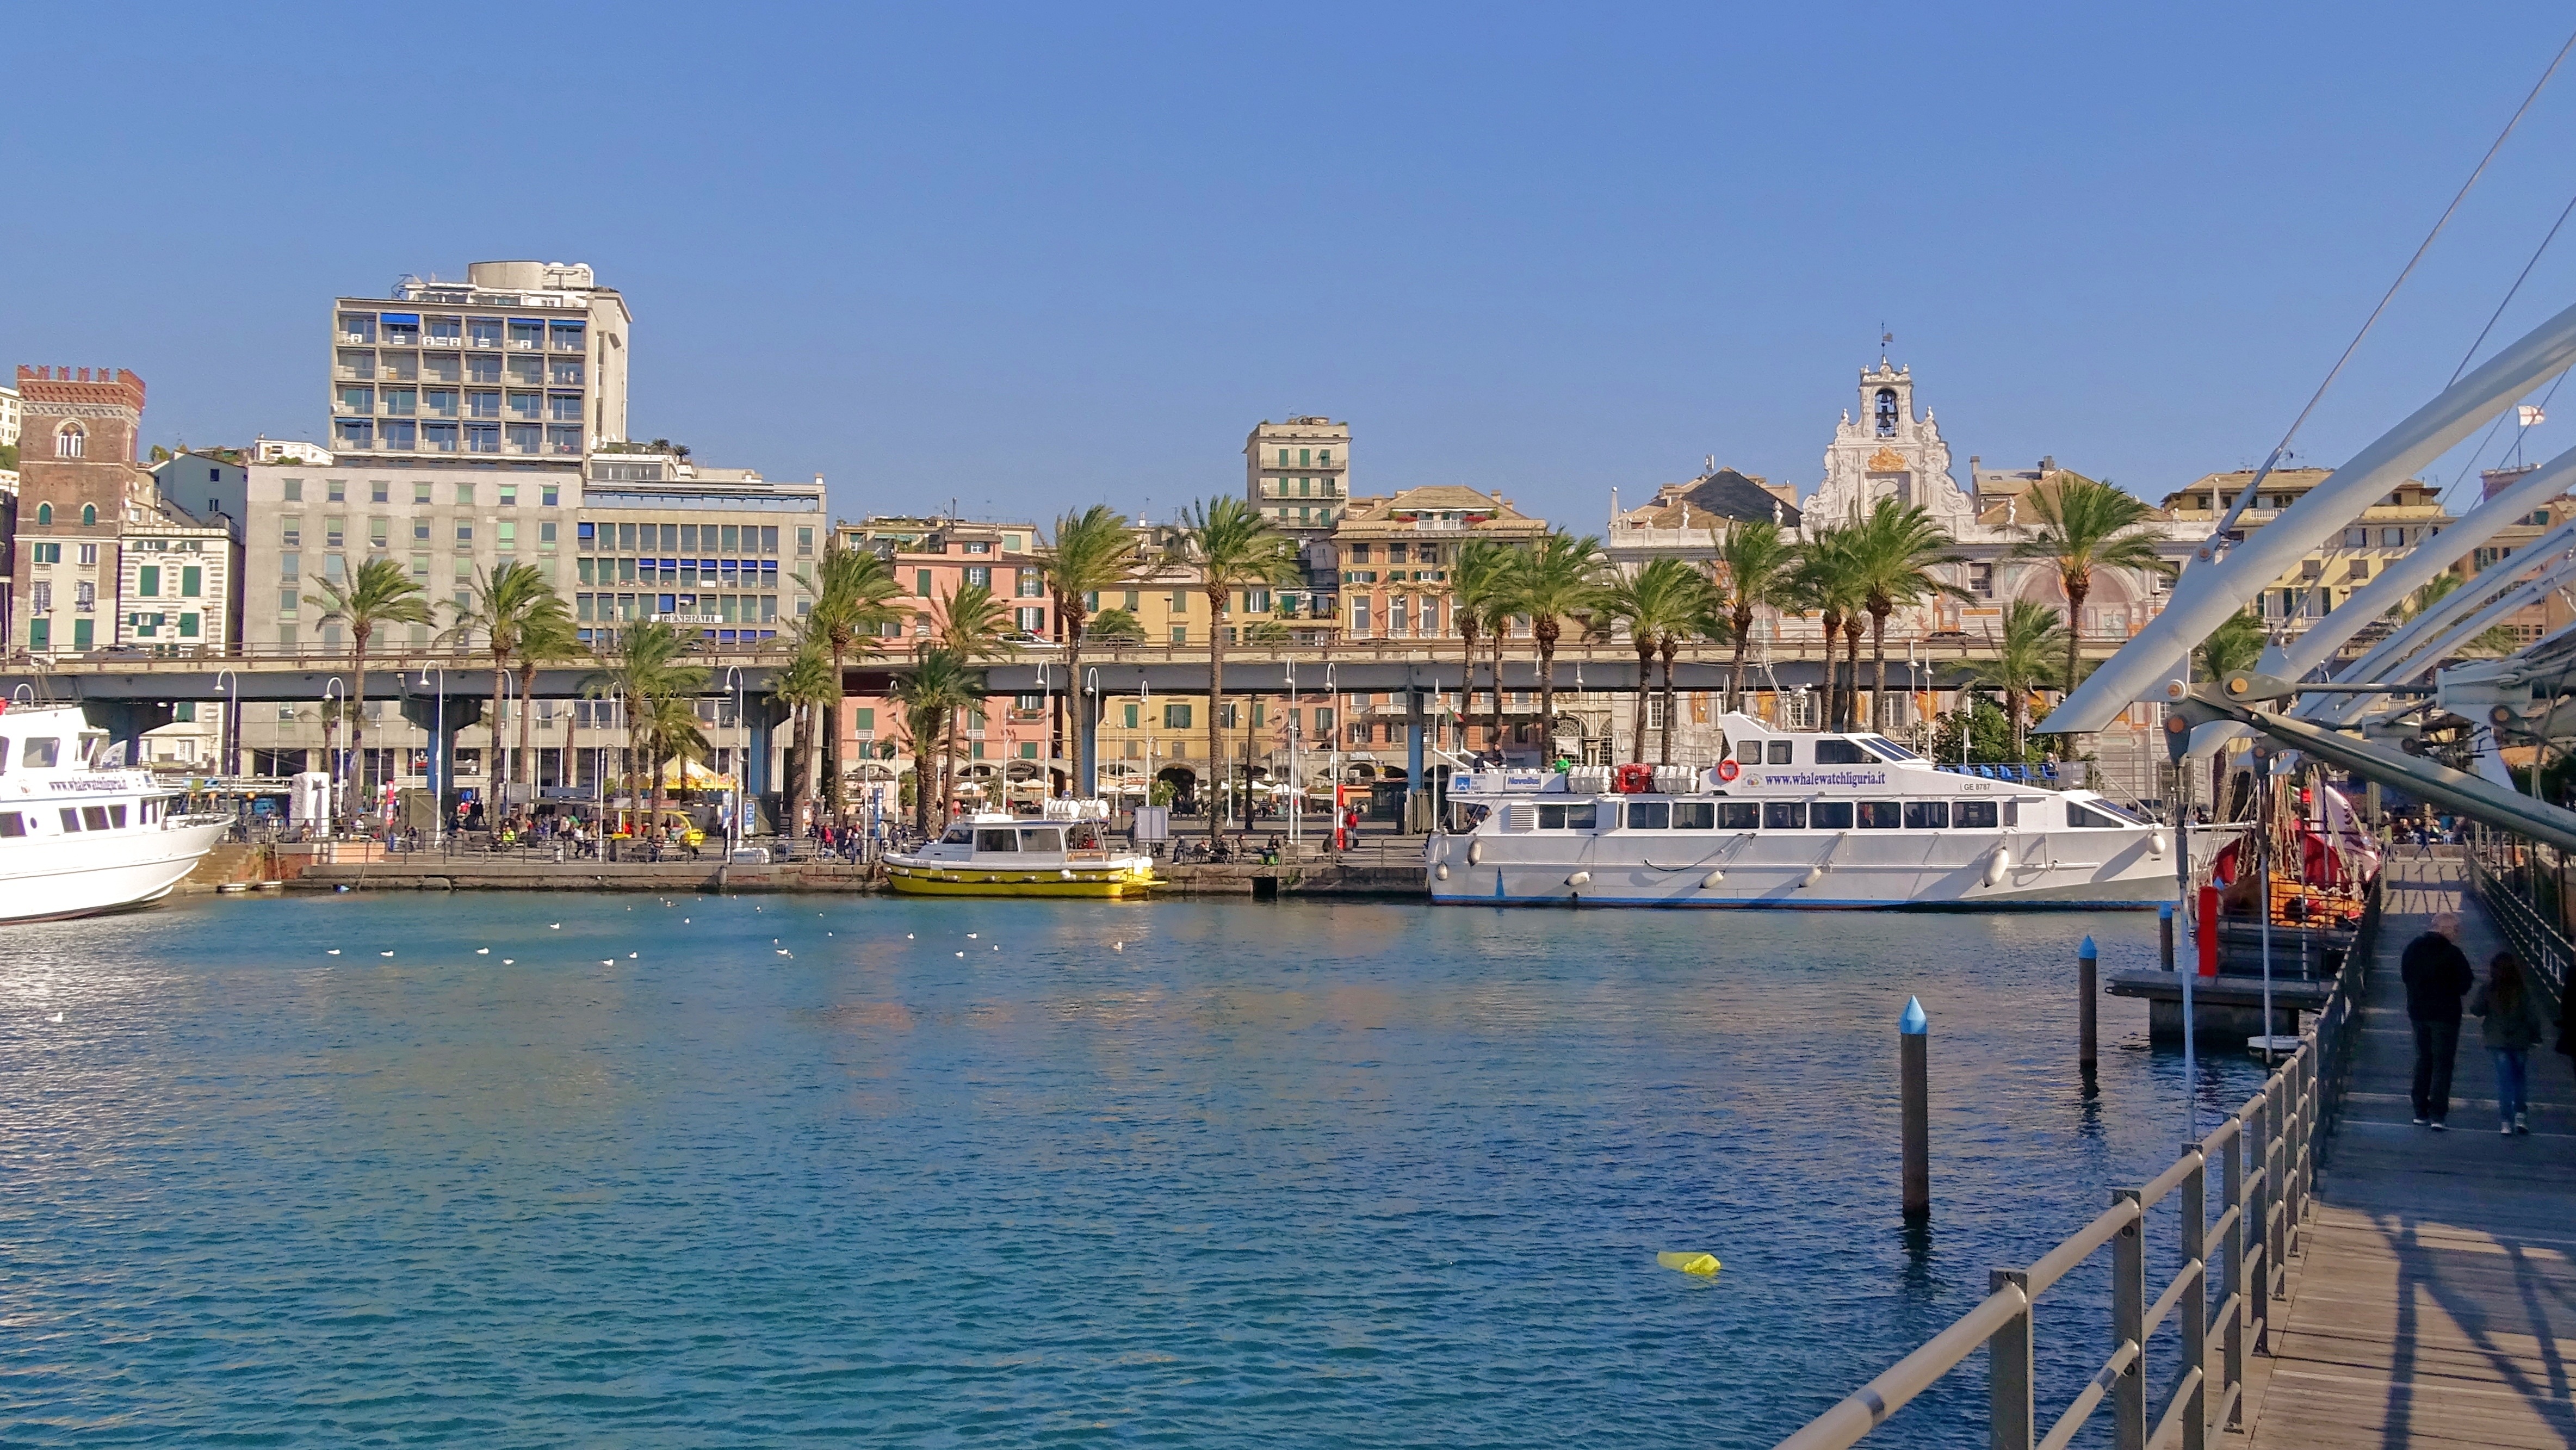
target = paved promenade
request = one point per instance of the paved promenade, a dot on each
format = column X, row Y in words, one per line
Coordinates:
column 2436, row 1305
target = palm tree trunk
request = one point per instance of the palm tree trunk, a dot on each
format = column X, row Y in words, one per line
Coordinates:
column 1851, row 660
column 1078, row 714
column 2076, row 590
column 1216, row 705
column 921, row 785
column 1743, row 621
column 495, row 769
column 1826, row 717
column 800, row 767
column 358, row 698
column 1637, row 714
column 1544, row 632
column 1671, row 647
column 836, row 790
column 1502, row 630
column 1878, row 662
column 525, row 770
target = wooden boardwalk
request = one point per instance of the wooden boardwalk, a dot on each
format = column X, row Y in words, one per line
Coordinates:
column 2435, row 1304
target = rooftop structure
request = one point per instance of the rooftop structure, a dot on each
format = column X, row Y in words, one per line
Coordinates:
column 522, row 360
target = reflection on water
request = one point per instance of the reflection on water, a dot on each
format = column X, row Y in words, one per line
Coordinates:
column 1364, row 1175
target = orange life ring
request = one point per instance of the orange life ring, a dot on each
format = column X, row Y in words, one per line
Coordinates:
column 1728, row 770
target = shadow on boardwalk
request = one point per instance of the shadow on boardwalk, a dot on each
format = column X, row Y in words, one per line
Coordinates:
column 2436, row 1302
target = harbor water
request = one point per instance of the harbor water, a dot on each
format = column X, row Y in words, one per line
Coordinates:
column 617, row 1170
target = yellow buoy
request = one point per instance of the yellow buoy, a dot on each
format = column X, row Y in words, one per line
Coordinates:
column 1704, row 1265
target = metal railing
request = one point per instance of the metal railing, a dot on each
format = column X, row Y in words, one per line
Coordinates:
column 2533, row 938
column 2266, row 1154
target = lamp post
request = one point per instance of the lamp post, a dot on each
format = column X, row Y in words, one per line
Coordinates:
column 228, row 741
column 437, row 752
column 733, row 817
column 331, row 756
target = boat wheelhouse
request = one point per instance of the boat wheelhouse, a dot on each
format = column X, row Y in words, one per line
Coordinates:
column 1792, row 820
column 77, row 837
column 1062, row 853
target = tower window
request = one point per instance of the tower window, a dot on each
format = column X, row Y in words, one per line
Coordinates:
column 89, row 514
column 70, row 441
column 1887, row 412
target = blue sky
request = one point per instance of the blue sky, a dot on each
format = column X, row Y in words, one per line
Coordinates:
column 1032, row 257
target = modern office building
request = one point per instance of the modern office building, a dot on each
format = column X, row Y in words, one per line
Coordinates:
column 1298, row 473
column 721, row 551
column 520, row 361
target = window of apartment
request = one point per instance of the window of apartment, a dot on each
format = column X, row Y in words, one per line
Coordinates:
column 2312, row 568
column 551, row 496
column 291, row 490
column 88, row 552
column 566, row 373
column 482, row 438
column 527, row 406
column 507, row 535
column 804, row 542
column 482, row 403
column 401, row 401
column 482, row 369
column 192, row 581
column 1981, row 580
column 334, row 531
column 290, row 531
column 1176, row 717
column 147, row 581
column 526, row 336
column 378, row 530
column 546, row 537
column 337, row 490
column 289, row 566
column 465, row 536
column 45, row 553
column 443, row 367
column 979, row 576
column 357, row 400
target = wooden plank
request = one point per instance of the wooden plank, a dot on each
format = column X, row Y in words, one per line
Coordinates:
column 2435, row 1302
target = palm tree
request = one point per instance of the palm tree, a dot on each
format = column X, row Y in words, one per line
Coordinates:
column 1826, row 583
column 644, row 665
column 1894, row 553
column 1477, row 585
column 2019, row 658
column 669, row 729
column 1665, row 600
column 811, row 687
column 1092, row 553
column 1704, row 620
column 498, row 607
column 1237, row 549
column 2083, row 526
column 1114, row 626
column 2237, row 644
column 1558, row 577
column 1756, row 569
column 380, row 593
column 854, row 592
column 938, row 683
column 546, row 635
column 974, row 625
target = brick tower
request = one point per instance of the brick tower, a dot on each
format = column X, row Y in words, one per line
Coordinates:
column 77, row 481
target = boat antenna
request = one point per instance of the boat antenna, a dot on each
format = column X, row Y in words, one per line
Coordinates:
column 2209, row 548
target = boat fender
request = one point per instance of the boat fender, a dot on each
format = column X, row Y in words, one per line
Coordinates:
column 1814, row 875
column 1996, row 864
column 2156, row 842
column 1579, row 878
column 1703, row 1265
column 1711, row 880
column 1440, row 871
column 1475, row 853
column 1066, row 873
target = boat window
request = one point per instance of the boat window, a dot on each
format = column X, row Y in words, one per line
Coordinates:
column 1830, row 815
column 958, row 836
column 1784, row 816
column 1738, row 815
column 1780, row 752
column 2079, row 817
column 1973, row 815
column 116, row 817
column 41, row 754
column 2118, row 816
column 1694, row 815
column 12, row 824
column 1927, row 815
column 1841, row 752
column 1891, row 749
column 1650, row 815
column 1881, row 815
column 1568, row 818
column 71, row 818
column 1044, row 838
column 1003, row 840
column 94, row 818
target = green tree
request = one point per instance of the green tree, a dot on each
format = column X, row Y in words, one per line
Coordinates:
column 930, row 691
column 1557, row 578
column 2085, row 525
column 1115, row 626
column 647, row 663
column 1826, row 583
column 1665, row 601
column 1895, row 552
column 1756, row 567
column 547, row 636
column 2237, row 644
column 1235, row 547
column 811, row 687
column 1990, row 735
column 499, row 608
column 1092, row 553
column 854, row 592
column 378, row 594
column 669, row 731
column 2018, row 659
column 1480, row 590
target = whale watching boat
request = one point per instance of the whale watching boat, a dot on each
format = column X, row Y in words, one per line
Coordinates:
column 76, row 837
column 1791, row 820
column 1062, row 853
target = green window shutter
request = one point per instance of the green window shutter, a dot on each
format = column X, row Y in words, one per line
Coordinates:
column 192, row 582
column 187, row 626
column 147, row 581
column 867, row 718
column 183, row 712
column 1131, row 710
column 84, row 633
column 40, row 634
column 921, row 582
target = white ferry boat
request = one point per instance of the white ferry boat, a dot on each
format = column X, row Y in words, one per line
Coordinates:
column 76, row 838
column 1064, row 853
column 1795, row 821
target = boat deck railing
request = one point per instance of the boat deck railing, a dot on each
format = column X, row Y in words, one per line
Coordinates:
column 2266, row 1155
column 2043, row 774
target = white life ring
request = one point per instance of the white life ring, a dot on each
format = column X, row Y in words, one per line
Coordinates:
column 1728, row 770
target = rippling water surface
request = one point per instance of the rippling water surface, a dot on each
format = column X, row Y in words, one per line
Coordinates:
column 739, row 1171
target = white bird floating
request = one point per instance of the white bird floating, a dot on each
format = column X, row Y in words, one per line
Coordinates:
column 970, row 936
column 1118, row 946
column 630, row 956
column 784, row 952
column 961, row 954
column 554, row 926
column 57, row 1017
column 506, row 961
column 384, row 954
column 482, row 951
column 907, row 936
column 333, row 952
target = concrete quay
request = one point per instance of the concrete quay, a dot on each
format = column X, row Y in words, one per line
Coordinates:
column 1249, row 882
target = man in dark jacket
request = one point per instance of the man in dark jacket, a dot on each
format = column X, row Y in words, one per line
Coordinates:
column 2437, row 976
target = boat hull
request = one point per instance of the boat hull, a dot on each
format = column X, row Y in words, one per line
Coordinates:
column 45, row 879
column 949, row 879
column 1812, row 873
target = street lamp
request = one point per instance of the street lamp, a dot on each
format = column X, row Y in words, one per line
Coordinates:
column 229, row 737
column 741, row 763
column 437, row 739
column 331, row 756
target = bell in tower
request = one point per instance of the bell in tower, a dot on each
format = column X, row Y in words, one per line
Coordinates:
column 1887, row 412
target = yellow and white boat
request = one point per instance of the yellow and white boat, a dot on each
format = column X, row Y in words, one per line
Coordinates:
column 1001, row 855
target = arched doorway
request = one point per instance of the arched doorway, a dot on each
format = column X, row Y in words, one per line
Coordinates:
column 1185, row 787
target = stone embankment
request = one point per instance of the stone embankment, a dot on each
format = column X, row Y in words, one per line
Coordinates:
column 501, row 873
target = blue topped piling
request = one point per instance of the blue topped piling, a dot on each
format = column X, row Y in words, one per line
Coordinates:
column 2086, row 964
column 1913, row 1044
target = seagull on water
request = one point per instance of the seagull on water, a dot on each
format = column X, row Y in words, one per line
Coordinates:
column 333, row 952
column 57, row 1017
column 506, row 961
column 554, row 926
column 384, row 954
column 482, row 951
column 784, row 952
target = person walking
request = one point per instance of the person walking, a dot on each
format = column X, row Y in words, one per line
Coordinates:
column 2437, row 975
column 2512, row 1028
